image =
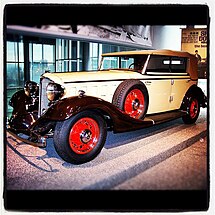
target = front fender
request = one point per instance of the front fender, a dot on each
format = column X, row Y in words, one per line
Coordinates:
column 71, row 106
column 68, row 107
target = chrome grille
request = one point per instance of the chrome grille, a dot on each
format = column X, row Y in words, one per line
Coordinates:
column 43, row 104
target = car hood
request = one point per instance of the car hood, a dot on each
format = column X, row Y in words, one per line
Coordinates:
column 78, row 77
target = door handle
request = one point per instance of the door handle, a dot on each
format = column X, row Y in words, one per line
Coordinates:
column 148, row 82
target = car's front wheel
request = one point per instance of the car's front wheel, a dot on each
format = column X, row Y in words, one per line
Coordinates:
column 80, row 138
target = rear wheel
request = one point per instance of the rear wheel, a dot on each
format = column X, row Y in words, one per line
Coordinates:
column 193, row 110
column 81, row 138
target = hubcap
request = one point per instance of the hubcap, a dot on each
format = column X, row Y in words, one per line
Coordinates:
column 84, row 135
column 193, row 108
column 134, row 103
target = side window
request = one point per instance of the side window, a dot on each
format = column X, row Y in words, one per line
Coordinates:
column 158, row 64
column 126, row 62
column 110, row 63
column 178, row 65
column 166, row 64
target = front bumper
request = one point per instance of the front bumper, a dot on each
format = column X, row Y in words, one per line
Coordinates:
column 40, row 141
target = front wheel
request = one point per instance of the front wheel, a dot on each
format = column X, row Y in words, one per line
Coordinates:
column 193, row 110
column 80, row 138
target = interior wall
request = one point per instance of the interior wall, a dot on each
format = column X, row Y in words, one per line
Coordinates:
column 195, row 39
column 167, row 37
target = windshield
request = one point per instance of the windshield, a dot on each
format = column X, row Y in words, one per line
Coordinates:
column 128, row 62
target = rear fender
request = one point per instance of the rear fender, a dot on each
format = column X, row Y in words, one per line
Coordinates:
column 198, row 93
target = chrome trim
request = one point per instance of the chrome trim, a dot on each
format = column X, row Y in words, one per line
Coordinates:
column 43, row 100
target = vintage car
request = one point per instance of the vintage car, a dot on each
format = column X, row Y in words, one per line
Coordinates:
column 131, row 90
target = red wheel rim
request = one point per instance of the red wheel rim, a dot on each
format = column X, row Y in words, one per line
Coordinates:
column 194, row 108
column 84, row 135
column 134, row 103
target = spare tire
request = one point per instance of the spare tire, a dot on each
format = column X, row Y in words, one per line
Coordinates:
column 131, row 96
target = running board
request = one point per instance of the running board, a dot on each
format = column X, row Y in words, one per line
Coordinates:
column 165, row 117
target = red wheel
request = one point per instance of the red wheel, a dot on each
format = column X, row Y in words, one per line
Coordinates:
column 84, row 135
column 194, row 106
column 80, row 138
column 134, row 103
column 132, row 97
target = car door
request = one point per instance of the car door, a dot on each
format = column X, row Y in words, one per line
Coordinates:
column 158, row 83
column 180, row 81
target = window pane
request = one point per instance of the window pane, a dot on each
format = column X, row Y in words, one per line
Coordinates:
column 59, row 48
column 114, row 49
column 15, row 75
column 30, row 52
column 48, row 53
column 94, row 63
column 59, row 66
column 106, row 63
column 74, row 49
column 65, row 66
column 12, row 51
column 105, row 48
column 21, row 75
column 125, row 63
column 121, row 48
column 12, row 75
column 80, row 65
column 48, row 67
column 158, row 64
column 95, row 50
column 65, row 50
column 21, row 52
column 114, row 63
column 81, row 49
column 37, row 69
column 62, row 66
column 74, row 66
column 178, row 65
column 37, row 52
column 110, row 63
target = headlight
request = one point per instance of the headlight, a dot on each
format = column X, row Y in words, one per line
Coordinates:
column 54, row 91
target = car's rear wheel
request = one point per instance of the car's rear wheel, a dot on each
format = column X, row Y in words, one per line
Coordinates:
column 193, row 109
column 80, row 138
column 131, row 96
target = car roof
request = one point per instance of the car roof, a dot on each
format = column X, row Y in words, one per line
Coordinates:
column 192, row 63
column 165, row 52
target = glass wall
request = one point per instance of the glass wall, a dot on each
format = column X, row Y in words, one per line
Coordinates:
column 28, row 57
column 113, row 61
column 79, row 56
column 14, row 67
column 69, row 55
column 94, row 53
column 41, row 59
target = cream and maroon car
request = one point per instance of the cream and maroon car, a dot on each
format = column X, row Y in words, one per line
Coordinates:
column 131, row 90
